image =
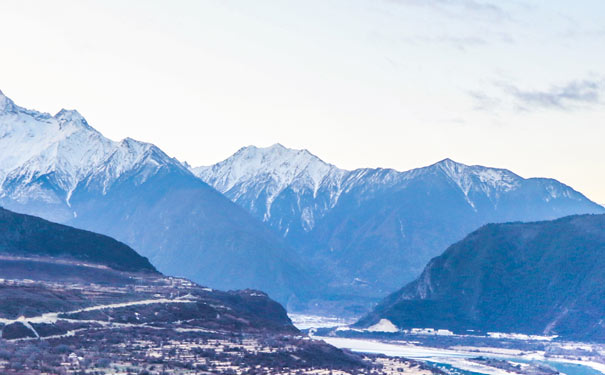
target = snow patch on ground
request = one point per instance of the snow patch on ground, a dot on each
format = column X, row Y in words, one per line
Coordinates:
column 520, row 336
column 53, row 317
column 384, row 325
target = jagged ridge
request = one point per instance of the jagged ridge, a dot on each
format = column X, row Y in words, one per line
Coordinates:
column 60, row 168
column 372, row 230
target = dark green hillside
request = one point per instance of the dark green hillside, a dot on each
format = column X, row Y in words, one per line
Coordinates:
column 537, row 278
column 24, row 235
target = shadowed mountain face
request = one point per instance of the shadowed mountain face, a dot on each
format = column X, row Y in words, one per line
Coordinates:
column 30, row 236
column 536, row 278
column 47, row 267
column 65, row 290
column 372, row 230
column 60, row 168
column 189, row 229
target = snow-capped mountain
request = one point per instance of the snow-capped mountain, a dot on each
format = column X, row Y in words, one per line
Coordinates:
column 347, row 237
column 276, row 166
column 258, row 179
column 372, row 230
column 45, row 158
column 60, row 168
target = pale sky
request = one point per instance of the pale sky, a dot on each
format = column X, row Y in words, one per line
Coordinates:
column 517, row 84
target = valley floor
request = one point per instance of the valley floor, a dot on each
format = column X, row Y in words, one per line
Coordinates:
column 150, row 351
column 163, row 326
column 498, row 354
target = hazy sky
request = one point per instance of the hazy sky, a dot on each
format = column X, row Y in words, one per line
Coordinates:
column 361, row 83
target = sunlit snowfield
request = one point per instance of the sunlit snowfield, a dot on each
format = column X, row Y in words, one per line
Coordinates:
column 451, row 361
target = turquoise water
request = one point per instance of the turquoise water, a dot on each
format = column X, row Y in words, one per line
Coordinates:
column 567, row 368
column 564, row 368
column 433, row 356
column 573, row 369
column 451, row 370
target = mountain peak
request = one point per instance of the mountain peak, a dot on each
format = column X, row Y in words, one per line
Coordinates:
column 455, row 169
column 71, row 116
column 283, row 163
column 275, row 168
column 447, row 161
column 449, row 164
column 66, row 146
column 6, row 104
column 276, row 149
column 277, row 146
column 486, row 178
column 131, row 142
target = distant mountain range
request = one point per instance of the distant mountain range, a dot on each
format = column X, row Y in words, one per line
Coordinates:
column 372, row 230
column 306, row 232
column 60, row 168
column 545, row 278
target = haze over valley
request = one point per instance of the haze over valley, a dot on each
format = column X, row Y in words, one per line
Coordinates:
column 335, row 187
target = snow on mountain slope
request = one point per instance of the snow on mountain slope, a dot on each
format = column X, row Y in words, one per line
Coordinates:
column 256, row 177
column 61, row 169
column 488, row 179
column 371, row 230
column 45, row 157
column 277, row 165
